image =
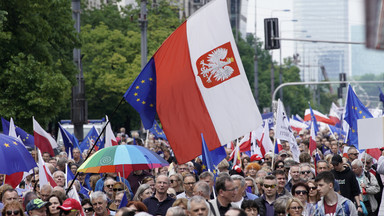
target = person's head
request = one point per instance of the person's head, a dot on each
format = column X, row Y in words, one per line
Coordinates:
column 175, row 211
column 251, row 185
column 280, row 205
column 337, row 162
column 325, row 181
column 53, row 203
column 71, row 207
column 322, row 165
column 87, row 207
column 223, row 166
column 37, row 207
column 312, row 185
column 208, row 178
column 176, row 181
column 305, row 157
column 304, row 146
column 99, row 201
column 250, row 207
column 28, row 197
column 76, row 153
column 201, row 188
column 53, row 161
column 357, row 167
column 295, row 172
column 305, row 171
column 225, row 190
column 244, row 162
column 268, row 156
column 9, row 195
column 235, row 212
column 13, row 208
column 270, row 186
column 300, row 190
column 59, row 178
column 281, row 178
column 353, row 154
column 136, row 206
column 119, row 197
column 143, row 192
column 182, row 203
column 197, row 206
column 120, row 187
column 46, row 156
column 368, row 161
column 252, row 169
column 182, row 168
column 189, row 183
column 108, row 187
column 279, row 165
column 162, row 184
column 45, row 192
column 239, row 183
column 93, row 180
column 74, row 168
column 294, row 207
column 149, row 180
column 334, row 148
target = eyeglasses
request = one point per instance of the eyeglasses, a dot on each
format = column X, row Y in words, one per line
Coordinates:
column 117, row 189
column 90, row 209
column 356, row 154
column 172, row 195
column 16, row 212
column 305, row 172
column 233, row 189
column 298, row 192
column 280, row 166
column 312, row 188
column 110, row 186
column 269, row 186
column 296, row 208
column 173, row 180
column 189, row 183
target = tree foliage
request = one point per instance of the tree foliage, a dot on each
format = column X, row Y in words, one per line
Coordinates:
column 36, row 42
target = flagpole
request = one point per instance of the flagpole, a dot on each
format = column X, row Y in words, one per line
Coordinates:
column 146, row 139
column 274, row 147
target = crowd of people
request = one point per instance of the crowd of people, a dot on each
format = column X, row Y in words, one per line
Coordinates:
column 273, row 184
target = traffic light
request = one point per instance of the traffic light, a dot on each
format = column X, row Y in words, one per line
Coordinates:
column 271, row 30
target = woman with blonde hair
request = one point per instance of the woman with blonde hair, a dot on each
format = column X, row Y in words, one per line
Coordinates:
column 143, row 192
column 314, row 195
column 176, row 181
column 13, row 208
column 294, row 207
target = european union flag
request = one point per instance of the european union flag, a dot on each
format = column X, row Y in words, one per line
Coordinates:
column 70, row 141
column 381, row 96
column 354, row 110
column 313, row 119
column 124, row 201
column 142, row 94
column 157, row 131
column 90, row 139
column 27, row 138
column 207, row 158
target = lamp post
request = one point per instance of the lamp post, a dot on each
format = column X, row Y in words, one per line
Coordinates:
column 256, row 66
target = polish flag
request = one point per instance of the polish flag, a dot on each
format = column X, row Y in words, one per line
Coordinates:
column 345, row 151
column 110, row 139
column 312, row 141
column 45, row 176
column 43, row 140
column 200, row 86
column 265, row 142
column 334, row 115
column 320, row 117
column 297, row 126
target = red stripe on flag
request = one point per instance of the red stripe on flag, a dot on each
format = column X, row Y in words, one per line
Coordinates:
column 14, row 179
column 49, row 178
column 179, row 103
column 43, row 144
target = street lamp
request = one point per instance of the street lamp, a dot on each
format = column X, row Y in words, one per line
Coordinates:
column 281, row 46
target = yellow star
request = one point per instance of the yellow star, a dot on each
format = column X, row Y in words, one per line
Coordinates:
column 232, row 59
column 24, row 139
column 151, row 105
column 14, row 142
column 360, row 112
column 353, row 131
column 137, row 87
column 355, row 108
column 352, row 107
column 138, row 99
column 203, row 167
column 150, row 79
column 142, row 81
column 143, row 102
column 135, row 94
column 27, row 137
column 6, row 145
column 214, row 171
column 363, row 117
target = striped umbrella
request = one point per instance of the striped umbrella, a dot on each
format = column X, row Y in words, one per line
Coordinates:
column 123, row 159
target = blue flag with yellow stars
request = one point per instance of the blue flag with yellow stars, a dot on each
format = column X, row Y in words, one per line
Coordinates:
column 207, row 159
column 69, row 140
column 25, row 137
column 142, row 94
column 90, row 139
column 157, row 131
column 14, row 157
column 354, row 110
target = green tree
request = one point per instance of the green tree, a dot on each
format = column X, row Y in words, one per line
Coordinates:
column 37, row 38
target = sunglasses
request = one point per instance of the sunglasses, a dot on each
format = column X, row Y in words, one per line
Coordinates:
column 280, row 166
column 305, row 172
column 117, row 189
column 110, row 186
column 356, row 154
column 172, row 181
column 172, row 195
column 313, row 188
column 269, row 186
column 16, row 212
column 298, row 192
column 296, row 208
column 90, row 209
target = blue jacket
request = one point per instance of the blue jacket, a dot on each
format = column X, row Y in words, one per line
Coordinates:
column 100, row 185
column 344, row 207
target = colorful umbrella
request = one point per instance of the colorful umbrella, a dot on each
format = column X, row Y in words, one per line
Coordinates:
column 122, row 158
column 14, row 157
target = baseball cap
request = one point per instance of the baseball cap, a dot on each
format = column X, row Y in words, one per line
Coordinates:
column 70, row 204
column 336, row 159
column 35, row 204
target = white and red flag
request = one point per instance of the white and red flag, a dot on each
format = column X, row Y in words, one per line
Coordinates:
column 312, row 140
column 45, row 176
column 320, row 117
column 110, row 139
column 200, row 85
column 43, row 140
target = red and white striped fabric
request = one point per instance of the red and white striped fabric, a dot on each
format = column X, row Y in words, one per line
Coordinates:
column 312, row 140
column 296, row 125
column 202, row 86
column 320, row 117
column 334, row 114
column 45, row 176
column 110, row 139
column 43, row 140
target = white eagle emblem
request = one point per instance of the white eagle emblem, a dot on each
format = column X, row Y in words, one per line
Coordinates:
column 217, row 66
